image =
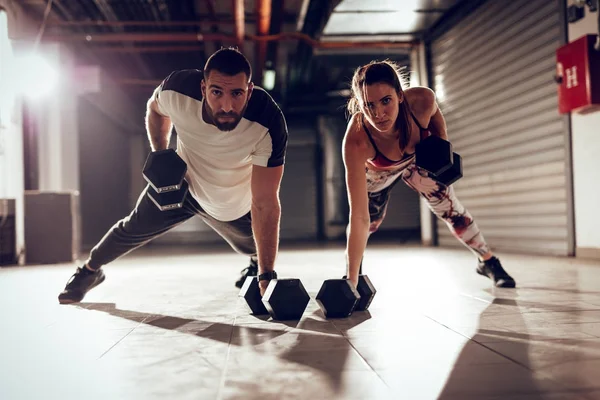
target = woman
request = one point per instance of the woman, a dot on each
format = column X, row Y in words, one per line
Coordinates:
column 386, row 124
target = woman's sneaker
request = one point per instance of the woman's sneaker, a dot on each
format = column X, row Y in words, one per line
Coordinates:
column 81, row 282
column 493, row 270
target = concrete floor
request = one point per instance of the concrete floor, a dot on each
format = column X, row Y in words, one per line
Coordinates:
column 167, row 324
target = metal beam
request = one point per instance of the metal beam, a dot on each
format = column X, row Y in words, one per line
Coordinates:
column 214, row 26
column 139, row 37
column 203, row 19
column 109, row 14
column 263, row 16
column 238, row 17
column 312, row 21
column 142, row 23
column 149, row 49
column 200, row 37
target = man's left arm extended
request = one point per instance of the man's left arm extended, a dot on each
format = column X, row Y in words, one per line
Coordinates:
column 266, row 214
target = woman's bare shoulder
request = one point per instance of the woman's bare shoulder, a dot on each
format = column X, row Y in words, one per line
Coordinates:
column 420, row 94
column 355, row 137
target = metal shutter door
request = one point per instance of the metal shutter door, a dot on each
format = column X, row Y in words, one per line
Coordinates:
column 493, row 72
column 298, row 192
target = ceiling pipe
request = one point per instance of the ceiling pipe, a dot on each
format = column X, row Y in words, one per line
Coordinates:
column 107, row 11
column 202, row 20
column 199, row 37
column 263, row 17
column 214, row 28
column 148, row 49
column 239, row 27
column 140, row 37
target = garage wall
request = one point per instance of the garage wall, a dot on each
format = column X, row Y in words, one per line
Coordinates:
column 494, row 76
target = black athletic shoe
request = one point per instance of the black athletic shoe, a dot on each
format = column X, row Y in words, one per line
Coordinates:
column 250, row 270
column 493, row 270
column 82, row 281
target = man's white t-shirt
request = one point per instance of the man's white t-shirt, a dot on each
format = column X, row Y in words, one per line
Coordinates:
column 219, row 164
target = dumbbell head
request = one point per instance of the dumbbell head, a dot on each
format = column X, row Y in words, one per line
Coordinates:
column 367, row 291
column 169, row 200
column 285, row 299
column 250, row 291
column 452, row 174
column 337, row 298
column 164, row 170
column 434, row 154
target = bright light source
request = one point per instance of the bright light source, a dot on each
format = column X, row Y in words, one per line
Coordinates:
column 440, row 90
column 35, row 77
column 269, row 79
column 6, row 57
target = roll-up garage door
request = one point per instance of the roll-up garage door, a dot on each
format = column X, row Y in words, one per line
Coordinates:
column 298, row 193
column 493, row 73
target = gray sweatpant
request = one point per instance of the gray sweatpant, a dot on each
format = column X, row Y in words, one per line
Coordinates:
column 147, row 222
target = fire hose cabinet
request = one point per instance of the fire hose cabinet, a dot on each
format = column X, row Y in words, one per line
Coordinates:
column 578, row 76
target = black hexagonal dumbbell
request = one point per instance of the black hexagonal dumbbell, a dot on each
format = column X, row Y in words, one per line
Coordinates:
column 434, row 155
column 367, row 292
column 337, row 298
column 165, row 171
column 452, row 174
column 251, row 293
column 284, row 299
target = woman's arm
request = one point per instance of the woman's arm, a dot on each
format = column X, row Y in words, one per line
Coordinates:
column 355, row 154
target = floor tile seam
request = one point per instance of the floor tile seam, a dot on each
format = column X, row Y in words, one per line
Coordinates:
column 221, row 389
column 127, row 334
column 117, row 342
column 484, row 346
column 363, row 359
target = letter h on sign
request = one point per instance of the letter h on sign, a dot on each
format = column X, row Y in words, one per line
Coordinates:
column 571, row 77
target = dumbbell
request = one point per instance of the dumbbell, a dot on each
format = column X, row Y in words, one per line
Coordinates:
column 434, row 155
column 337, row 298
column 452, row 174
column 284, row 299
column 164, row 171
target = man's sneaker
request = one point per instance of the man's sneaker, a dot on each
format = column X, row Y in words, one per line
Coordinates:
column 250, row 270
column 493, row 270
column 82, row 281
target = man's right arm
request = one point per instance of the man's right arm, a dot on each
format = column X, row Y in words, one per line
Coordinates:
column 158, row 126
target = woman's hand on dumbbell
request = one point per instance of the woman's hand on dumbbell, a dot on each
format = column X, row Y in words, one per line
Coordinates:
column 354, row 281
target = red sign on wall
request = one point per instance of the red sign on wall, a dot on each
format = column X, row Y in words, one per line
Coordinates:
column 578, row 76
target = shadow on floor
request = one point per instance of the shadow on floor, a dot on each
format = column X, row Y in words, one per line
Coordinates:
column 471, row 379
column 521, row 375
column 315, row 345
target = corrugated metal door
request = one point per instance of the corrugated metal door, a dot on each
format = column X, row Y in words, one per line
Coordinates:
column 298, row 194
column 493, row 73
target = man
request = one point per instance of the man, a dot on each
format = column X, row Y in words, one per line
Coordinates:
column 233, row 138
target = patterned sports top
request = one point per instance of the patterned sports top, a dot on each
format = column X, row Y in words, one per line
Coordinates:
column 378, row 180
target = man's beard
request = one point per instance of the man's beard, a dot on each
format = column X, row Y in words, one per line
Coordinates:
column 225, row 126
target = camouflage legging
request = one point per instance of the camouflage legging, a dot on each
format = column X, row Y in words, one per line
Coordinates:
column 440, row 199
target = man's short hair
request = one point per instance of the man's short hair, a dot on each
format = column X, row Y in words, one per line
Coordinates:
column 229, row 61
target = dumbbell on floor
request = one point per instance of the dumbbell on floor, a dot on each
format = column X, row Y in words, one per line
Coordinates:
column 337, row 298
column 434, row 155
column 284, row 299
column 367, row 292
column 165, row 171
